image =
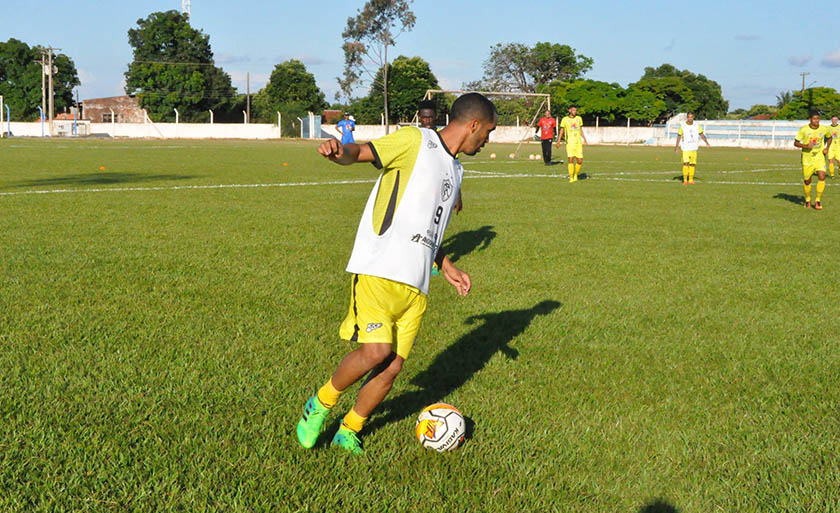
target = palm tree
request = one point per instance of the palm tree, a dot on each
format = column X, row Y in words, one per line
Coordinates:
column 783, row 98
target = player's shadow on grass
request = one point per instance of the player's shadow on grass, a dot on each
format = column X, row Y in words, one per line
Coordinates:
column 463, row 243
column 101, row 179
column 456, row 364
column 799, row 200
column 658, row 506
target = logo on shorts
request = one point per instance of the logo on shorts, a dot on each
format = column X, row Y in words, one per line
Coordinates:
column 373, row 326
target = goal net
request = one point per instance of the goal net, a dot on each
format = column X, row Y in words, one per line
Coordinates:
column 518, row 111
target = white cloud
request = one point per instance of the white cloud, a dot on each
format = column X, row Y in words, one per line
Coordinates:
column 832, row 60
column 229, row 58
column 799, row 60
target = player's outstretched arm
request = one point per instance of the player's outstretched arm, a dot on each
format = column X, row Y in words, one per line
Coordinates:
column 703, row 136
column 458, row 278
column 345, row 154
column 583, row 136
column 804, row 146
column 677, row 146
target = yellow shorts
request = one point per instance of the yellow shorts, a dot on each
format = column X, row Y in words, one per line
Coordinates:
column 383, row 312
column 834, row 151
column 574, row 151
column 690, row 157
column 811, row 165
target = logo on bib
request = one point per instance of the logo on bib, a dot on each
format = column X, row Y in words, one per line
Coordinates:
column 446, row 190
column 373, row 326
column 431, row 145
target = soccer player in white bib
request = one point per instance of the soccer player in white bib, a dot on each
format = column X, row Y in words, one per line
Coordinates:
column 688, row 139
column 399, row 237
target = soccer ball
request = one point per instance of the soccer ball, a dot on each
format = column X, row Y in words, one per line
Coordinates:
column 511, row 156
column 440, row 427
column 531, row 157
column 492, row 155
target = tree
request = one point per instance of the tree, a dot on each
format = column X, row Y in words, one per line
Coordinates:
column 824, row 100
column 409, row 79
column 20, row 79
column 516, row 67
column 173, row 67
column 592, row 97
column 641, row 104
column 366, row 40
column 783, row 99
column 707, row 96
column 672, row 91
column 292, row 91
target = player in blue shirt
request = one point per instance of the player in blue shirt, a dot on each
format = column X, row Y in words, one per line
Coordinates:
column 345, row 127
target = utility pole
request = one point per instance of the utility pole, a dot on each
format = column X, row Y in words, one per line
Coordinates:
column 51, row 72
column 248, row 89
column 804, row 74
column 43, row 82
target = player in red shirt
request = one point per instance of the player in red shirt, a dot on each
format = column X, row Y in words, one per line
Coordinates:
column 547, row 126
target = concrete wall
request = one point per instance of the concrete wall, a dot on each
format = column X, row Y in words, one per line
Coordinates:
column 743, row 134
column 165, row 130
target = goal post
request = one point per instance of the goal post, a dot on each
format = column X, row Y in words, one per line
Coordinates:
column 515, row 109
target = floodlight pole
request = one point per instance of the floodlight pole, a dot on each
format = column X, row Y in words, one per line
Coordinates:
column 1, row 116
column 43, row 82
column 51, row 98
column 248, row 91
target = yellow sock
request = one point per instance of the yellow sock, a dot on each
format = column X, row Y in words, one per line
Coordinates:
column 807, row 193
column 685, row 173
column 820, row 189
column 571, row 171
column 328, row 394
column 831, row 168
column 577, row 169
column 691, row 173
column 353, row 421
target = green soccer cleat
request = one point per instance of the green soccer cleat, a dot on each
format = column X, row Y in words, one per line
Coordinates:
column 309, row 427
column 347, row 440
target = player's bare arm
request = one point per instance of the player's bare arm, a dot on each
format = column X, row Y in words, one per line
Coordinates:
column 583, row 136
column 677, row 147
column 828, row 142
column 804, row 146
column 456, row 277
column 345, row 154
column 560, row 136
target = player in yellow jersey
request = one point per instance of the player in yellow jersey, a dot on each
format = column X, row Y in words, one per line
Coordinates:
column 688, row 138
column 834, row 149
column 572, row 127
column 814, row 140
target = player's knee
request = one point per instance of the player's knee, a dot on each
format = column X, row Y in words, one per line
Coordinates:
column 376, row 354
column 393, row 369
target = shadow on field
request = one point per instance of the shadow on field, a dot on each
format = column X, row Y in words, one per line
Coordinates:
column 456, row 364
column 799, row 200
column 658, row 506
column 463, row 243
column 101, row 179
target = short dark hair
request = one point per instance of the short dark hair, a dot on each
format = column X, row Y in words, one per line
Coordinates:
column 427, row 104
column 813, row 113
column 472, row 106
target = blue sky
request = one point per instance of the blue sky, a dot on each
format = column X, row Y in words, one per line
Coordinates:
column 753, row 49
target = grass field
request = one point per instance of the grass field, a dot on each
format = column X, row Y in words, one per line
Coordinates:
column 630, row 344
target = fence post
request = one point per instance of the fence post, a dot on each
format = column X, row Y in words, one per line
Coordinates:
column 739, row 134
column 211, row 116
column 279, row 124
column 1, row 116
column 773, row 135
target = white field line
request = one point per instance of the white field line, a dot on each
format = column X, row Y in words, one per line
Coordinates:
column 471, row 176
column 187, row 187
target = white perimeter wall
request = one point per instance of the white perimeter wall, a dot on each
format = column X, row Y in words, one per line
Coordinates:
column 744, row 134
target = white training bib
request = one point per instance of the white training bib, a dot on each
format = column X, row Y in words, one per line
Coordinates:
column 406, row 250
column 690, row 136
